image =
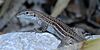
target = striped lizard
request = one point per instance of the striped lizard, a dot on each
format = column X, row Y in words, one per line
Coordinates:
column 62, row 29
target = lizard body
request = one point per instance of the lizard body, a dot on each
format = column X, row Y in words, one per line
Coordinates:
column 62, row 29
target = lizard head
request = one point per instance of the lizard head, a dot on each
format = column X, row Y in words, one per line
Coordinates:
column 30, row 17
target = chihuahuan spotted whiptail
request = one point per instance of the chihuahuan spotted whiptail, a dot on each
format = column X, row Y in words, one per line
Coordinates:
column 62, row 29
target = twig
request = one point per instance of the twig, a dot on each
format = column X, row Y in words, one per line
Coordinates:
column 5, row 7
column 60, row 6
column 15, row 5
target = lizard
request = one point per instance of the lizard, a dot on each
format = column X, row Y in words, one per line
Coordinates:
column 62, row 29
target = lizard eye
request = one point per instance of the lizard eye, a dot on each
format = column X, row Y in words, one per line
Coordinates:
column 26, row 12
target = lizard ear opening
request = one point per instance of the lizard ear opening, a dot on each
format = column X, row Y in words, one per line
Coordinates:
column 34, row 15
